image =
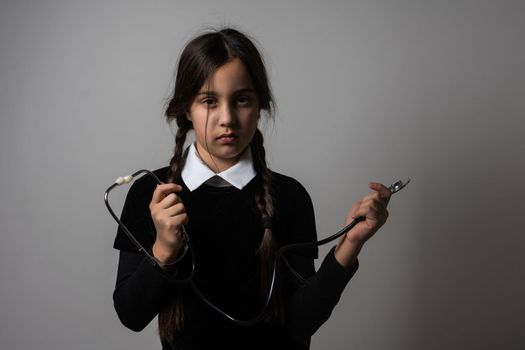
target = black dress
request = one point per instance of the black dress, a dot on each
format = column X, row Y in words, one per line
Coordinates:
column 225, row 228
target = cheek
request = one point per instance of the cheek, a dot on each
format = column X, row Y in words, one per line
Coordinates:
column 199, row 128
column 250, row 119
column 198, row 119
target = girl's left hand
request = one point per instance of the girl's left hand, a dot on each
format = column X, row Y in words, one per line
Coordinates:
column 373, row 208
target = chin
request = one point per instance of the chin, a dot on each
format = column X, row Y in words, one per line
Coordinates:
column 229, row 156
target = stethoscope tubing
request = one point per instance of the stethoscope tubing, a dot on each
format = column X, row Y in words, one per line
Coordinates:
column 141, row 249
column 395, row 187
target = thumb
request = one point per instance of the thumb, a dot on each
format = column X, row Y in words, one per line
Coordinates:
column 383, row 191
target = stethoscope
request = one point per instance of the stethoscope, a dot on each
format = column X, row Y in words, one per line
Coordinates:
column 394, row 188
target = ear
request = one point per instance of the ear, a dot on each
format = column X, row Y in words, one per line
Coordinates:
column 188, row 115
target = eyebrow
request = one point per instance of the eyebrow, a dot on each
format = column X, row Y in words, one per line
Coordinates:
column 213, row 93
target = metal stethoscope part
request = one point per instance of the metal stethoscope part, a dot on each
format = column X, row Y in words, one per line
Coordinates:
column 394, row 188
column 398, row 185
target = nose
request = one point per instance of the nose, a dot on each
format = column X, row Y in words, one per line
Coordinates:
column 228, row 115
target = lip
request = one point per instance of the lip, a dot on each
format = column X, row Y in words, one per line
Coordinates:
column 228, row 135
column 227, row 138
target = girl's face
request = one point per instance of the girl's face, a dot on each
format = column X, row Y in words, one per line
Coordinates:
column 224, row 115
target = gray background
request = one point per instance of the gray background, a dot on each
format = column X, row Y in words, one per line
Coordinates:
column 366, row 90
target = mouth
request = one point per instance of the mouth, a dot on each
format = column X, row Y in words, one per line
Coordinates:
column 227, row 138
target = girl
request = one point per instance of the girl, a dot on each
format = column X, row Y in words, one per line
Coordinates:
column 237, row 213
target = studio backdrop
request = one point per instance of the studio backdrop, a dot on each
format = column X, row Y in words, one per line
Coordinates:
column 366, row 90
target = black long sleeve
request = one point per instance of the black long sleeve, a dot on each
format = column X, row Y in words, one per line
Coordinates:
column 224, row 268
column 140, row 292
column 313, row 302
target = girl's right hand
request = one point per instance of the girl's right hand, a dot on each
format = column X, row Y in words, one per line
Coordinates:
column 168, row 214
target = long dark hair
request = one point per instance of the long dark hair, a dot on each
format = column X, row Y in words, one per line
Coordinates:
column 201, row 57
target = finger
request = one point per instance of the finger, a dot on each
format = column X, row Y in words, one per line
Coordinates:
column 381, row 196
column 168, row 201
column 184, row 218
column 372, row 203
column 354, row 209
column 372, row 196
column 373, row 199
column 374, row 218
column 177, row 221
column 383, row 191
column 377, row 205
column 163, row 190
column 366, row 211
column 175, row 210
column 378, row 202
column 363, row 211
column 169, row 224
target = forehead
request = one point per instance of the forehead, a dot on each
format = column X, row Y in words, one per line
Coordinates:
column 229, row 78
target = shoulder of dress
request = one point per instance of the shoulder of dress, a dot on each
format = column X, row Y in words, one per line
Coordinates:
column 281, row 178
column 288, row 184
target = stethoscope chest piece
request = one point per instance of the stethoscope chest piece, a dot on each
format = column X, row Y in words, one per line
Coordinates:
column 398, row 185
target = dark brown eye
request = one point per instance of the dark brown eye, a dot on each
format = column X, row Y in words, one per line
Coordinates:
column 243, row 100
column 208, row 101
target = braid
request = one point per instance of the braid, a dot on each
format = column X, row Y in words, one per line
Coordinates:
column 268, row 247
column 176, row 160
column 171, row 317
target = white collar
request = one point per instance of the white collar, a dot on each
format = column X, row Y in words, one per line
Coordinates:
column 195, row 172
